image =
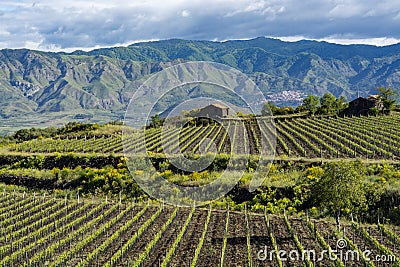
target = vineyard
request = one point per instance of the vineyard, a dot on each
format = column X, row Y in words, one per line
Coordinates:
column 44, row 230
column 320, row 137
column 48, row 231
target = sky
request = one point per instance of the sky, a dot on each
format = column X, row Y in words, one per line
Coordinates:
column 68, row 25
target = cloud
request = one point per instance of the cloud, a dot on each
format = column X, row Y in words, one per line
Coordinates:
column 67, row 25
column 185, row 13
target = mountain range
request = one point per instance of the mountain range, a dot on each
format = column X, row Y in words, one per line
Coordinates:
column 41, row 88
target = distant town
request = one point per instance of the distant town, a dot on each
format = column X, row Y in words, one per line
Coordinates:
column 287, row 95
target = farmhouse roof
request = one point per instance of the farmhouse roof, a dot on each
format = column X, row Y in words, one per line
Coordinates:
column 219, row 106
column 368, row 98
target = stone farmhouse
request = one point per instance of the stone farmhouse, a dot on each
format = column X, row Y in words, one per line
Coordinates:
column 362, row 106
column 214, row 111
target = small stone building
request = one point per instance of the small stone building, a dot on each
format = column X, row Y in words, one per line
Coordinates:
column 214, row 111
column 362, row 106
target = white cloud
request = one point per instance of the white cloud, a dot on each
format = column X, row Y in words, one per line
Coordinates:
column 67, row 24
column 185, row 13
column 383, row 41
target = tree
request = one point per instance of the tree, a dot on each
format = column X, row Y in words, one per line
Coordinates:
column 342, row 188
column 328, row 104
column 156, row 121
column 300, row 109
column 374, row 111
column 269, row 109
column 331, row 105
column 389, row 97
column 311, row 104
column 343, row 101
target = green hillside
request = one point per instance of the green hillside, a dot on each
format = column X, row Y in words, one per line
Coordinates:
column 38, row 87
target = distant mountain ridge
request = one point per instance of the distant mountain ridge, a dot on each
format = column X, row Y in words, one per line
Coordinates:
column 35, row 83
